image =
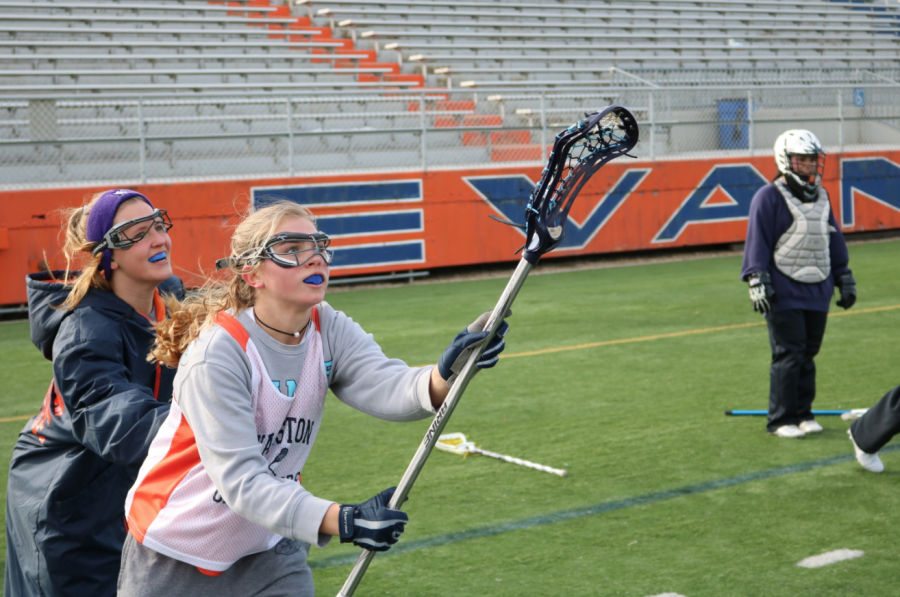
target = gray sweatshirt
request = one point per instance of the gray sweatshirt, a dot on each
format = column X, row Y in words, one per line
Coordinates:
column 212, row 388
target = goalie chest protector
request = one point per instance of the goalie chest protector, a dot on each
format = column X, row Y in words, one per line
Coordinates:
column 803, row 253
column 174, row 508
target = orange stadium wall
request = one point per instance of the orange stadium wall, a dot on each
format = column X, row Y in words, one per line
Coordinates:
column 415, row 220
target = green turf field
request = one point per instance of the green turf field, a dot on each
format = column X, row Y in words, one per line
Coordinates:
column 665, row 494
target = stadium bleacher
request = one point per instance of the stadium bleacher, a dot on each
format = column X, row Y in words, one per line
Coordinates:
column 207, row 89
column 171, row 47
column 515, row 37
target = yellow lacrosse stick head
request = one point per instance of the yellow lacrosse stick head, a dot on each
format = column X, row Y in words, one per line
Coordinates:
column 455, row 443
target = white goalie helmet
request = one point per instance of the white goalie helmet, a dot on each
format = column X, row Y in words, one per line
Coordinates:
column 802, row 174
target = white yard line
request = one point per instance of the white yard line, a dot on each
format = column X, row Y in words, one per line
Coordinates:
column 831, row 557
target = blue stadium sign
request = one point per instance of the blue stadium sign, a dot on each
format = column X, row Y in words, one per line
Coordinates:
column 875, row 177
column 372, row 223
column 340, row 194
column 508, row 195
column 739, row 182
column 362, row 225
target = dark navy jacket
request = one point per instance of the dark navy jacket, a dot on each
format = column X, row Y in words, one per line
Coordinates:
column 769, row 220
column 75, row 462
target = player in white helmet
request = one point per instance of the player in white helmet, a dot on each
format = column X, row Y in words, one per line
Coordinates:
column 794, row 257
column 800, row 159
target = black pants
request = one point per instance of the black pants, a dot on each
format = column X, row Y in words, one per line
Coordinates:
column 796, row 337
column 881, row 423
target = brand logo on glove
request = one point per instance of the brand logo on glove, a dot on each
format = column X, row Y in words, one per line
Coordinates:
column 346, row 517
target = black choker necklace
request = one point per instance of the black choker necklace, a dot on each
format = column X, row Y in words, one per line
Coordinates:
column 294, row 334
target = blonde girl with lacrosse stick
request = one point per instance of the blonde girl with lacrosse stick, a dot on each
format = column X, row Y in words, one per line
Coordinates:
column 219, row 507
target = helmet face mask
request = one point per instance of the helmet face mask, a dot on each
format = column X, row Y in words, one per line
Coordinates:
column 125, row 235
column 807, row 170
column 800, row 158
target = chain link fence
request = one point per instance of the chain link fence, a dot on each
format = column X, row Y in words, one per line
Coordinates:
column 65, row 141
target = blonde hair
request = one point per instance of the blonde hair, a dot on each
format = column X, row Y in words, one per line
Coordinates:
column 77, row 248
column 198, row 311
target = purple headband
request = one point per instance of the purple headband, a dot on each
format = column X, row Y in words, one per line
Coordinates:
column 100, row 220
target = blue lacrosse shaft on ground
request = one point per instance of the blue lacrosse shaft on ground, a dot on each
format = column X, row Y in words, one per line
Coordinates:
column 817, row 413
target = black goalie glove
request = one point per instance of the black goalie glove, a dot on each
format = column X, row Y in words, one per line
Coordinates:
column 762, row 293
column 847, row 286
column 372, row 524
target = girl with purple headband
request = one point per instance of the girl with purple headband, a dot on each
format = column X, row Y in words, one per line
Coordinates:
column 74, row 462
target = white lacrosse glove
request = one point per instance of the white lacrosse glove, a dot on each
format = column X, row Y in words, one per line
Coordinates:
column 762, row 293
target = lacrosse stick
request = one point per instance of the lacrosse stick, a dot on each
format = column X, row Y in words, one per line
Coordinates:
column 456, row 443
column 847, row 415
column 578, row 152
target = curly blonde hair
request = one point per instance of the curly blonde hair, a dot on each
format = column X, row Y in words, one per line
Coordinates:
column 198, row 311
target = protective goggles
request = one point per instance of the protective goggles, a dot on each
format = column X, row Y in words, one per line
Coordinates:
column 124, row 235
column 288, row 249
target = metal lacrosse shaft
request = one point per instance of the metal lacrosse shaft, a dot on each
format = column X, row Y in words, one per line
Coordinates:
column 546, row 216
column 443, row 415
column 520, row 462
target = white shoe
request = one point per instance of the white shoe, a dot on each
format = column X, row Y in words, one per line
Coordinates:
column 870, row 462
column 810, row 427
column 788, row 431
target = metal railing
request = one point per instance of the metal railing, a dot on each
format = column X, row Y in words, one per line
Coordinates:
column 71, row 140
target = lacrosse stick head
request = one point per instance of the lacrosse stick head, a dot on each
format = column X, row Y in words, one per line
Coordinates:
column 455, row 443
column 578, row 152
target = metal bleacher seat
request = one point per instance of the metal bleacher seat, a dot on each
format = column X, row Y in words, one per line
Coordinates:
column 153, row 62
column 8, row 76
column 219, row 22
column 167, row 6
column 10, row 30
column 816, row 6
column 132, row 44
column 157, row 87
column 618, row 35
column 543, row 27
column 161, row 79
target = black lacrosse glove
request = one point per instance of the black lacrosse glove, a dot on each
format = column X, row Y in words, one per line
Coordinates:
column 468, row 341
column 847, row 286
column 372, row 524
column 762, row 293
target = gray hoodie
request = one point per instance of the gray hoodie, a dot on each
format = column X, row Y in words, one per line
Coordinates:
column 213, row 386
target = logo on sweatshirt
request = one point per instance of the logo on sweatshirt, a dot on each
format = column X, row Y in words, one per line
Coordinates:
column 294, row 430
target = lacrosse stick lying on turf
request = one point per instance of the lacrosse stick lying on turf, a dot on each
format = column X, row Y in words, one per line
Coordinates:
column 847, row 415
column 456, row 443
column 578, row 152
